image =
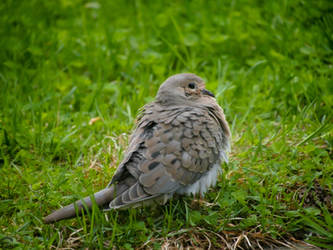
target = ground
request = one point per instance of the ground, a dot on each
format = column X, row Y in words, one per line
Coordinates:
column 73, row 75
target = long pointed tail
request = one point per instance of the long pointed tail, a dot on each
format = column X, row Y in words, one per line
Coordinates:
column 102, row 197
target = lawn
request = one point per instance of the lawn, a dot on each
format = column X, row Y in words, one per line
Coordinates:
column 73, row 75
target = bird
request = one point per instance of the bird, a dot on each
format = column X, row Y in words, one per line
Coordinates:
column 177, row 147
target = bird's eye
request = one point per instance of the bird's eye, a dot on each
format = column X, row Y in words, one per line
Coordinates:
column 191, row 85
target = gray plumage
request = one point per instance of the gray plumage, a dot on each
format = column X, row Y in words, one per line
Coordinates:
column 177, row 146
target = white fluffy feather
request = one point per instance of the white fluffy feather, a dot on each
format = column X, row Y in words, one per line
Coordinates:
column 206, row 181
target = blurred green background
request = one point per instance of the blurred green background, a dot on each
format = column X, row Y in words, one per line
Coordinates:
column 64, row 63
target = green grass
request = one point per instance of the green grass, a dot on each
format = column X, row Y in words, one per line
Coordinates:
column 63, row 63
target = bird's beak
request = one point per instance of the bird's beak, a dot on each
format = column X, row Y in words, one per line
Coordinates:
column 206, row 92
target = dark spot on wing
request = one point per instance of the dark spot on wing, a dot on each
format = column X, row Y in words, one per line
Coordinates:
column 155, row 154
column 148, row 130
column 152, row 165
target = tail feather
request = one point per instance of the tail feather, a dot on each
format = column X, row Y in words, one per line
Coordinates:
column 102, row 197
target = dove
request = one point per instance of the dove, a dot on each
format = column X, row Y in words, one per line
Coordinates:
column 177, row 147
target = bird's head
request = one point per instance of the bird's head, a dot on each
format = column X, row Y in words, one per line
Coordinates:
column 181, row 89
